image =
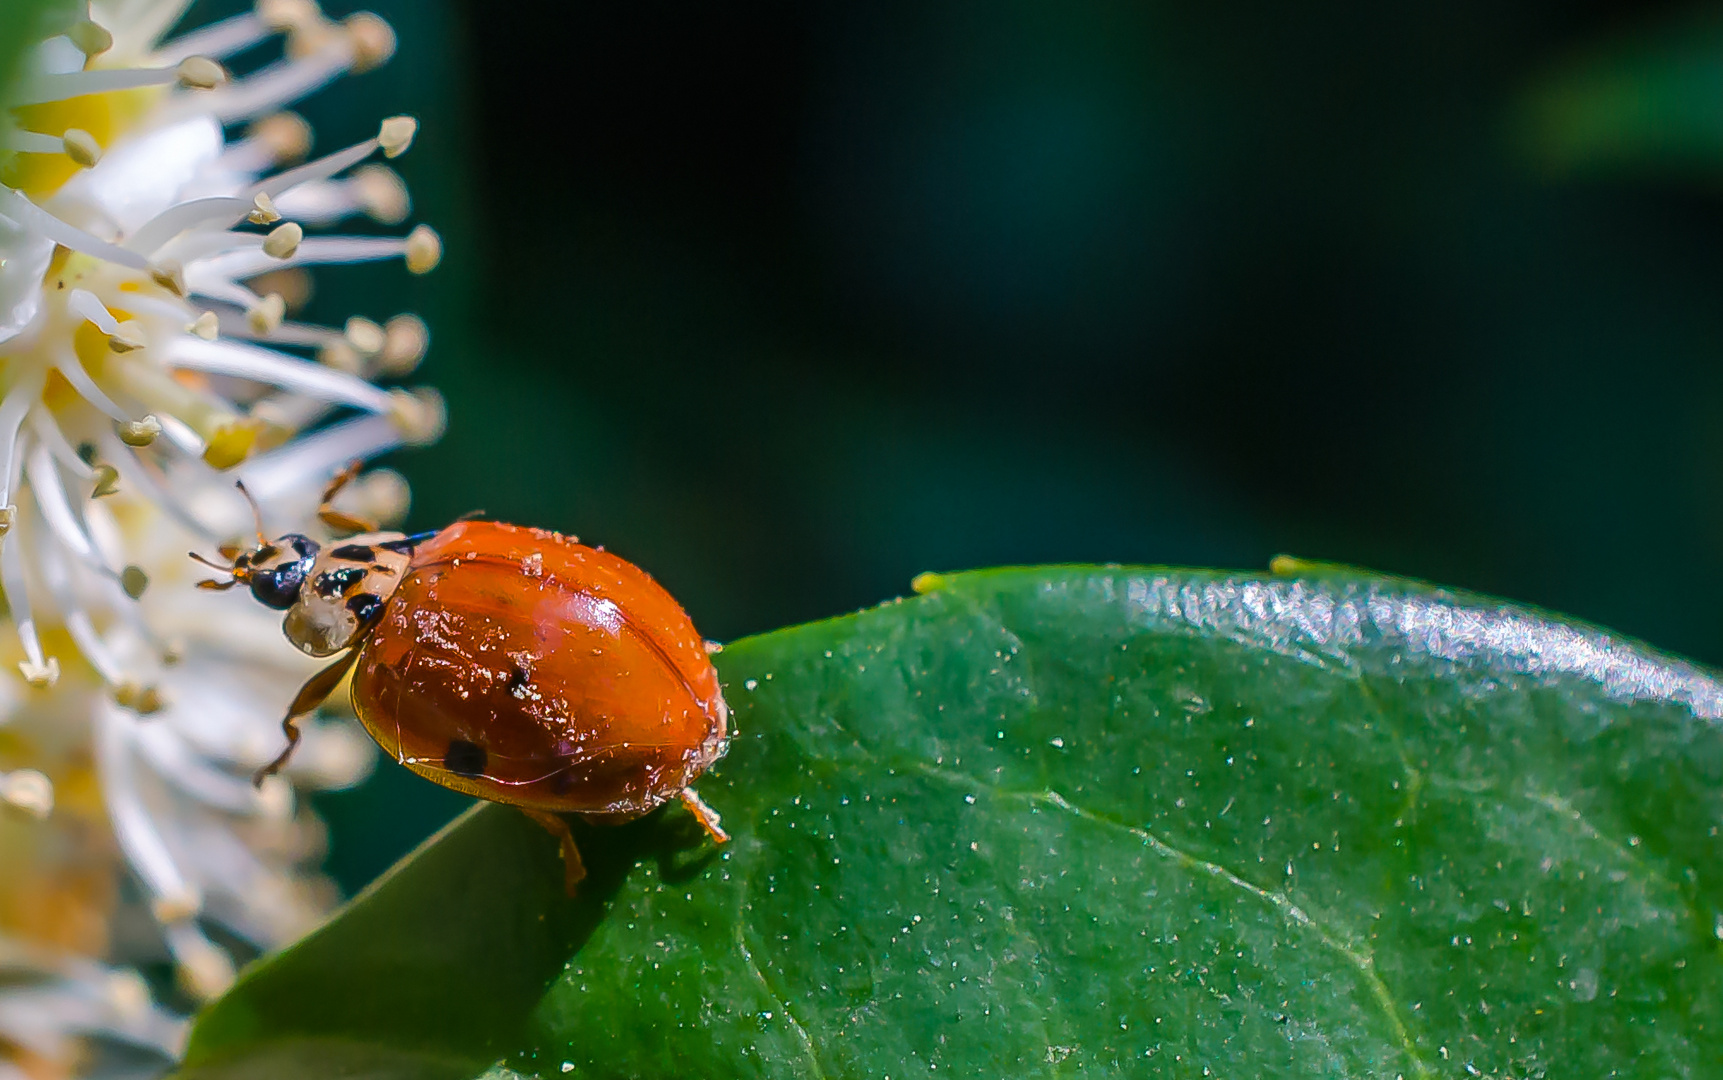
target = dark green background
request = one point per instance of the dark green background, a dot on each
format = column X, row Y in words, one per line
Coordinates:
column 787, row 302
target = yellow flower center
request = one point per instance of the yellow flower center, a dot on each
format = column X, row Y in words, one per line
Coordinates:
column 104, row 116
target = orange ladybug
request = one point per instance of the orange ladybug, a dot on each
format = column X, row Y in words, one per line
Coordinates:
column 509, row 663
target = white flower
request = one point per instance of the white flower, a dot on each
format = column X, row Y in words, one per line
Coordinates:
column 144, row 364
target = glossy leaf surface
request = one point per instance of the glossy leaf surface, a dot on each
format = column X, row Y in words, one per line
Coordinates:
column 1087, row 822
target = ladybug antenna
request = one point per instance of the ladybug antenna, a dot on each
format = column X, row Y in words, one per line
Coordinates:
column 233, row 577
column 256, row 512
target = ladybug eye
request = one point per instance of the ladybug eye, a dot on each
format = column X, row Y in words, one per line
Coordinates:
column 278, row 586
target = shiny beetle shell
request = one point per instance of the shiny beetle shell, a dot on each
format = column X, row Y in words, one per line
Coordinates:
column 519, row 666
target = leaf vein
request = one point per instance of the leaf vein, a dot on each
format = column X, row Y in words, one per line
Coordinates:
column 759, row 976
column 1361, row 960
column 1489, row 795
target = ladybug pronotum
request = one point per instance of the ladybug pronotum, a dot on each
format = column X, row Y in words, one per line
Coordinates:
column 509, row 663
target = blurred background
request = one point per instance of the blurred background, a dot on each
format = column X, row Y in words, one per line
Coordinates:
column 788, row 302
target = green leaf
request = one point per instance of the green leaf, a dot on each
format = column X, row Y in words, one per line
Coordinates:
column 23, row 23
column 1073, row 821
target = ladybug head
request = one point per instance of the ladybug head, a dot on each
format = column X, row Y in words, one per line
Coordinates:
column 274, row 569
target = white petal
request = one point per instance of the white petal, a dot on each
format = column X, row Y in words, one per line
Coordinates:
column 312, row 459
column 28, row 254
column 141, row 176
column 218, row 40
column 277, row 369
column 28, row 214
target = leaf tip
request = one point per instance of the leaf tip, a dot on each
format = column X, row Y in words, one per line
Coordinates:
column 925, row 583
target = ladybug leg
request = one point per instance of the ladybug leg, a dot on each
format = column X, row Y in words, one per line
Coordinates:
column 704, row 814
column 334, row 518
column 573, row 869
column 311, row 695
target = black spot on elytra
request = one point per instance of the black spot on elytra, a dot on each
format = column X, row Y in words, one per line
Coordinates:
column 518, row 675
column 354, row 552
column 366, row 606
column 333, row 583
column 464, row 758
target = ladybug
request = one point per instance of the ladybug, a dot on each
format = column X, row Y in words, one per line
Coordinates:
column 513, row 664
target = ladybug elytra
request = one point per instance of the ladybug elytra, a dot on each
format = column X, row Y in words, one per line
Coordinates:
column 513, row 664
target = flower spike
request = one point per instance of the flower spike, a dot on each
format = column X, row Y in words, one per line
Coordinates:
column 151, row 355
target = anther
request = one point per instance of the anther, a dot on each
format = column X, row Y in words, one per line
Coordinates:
column 265, row 316
column 139, row 432
column 41, row 676
column 91, row 38
column 281, row 243
column 134, row 581
column 365, row 336
column 139, row 698
column 175, row 906
column 382, row 193
column 424, row 250
column 201, row 73
column 231, row 444
column 206, row 326
column 381, row 495
column 81, row 147
column 311, row 37
column 292, row 282
column 286, row 134
column 405, row 339
column 281, row 15
column 126, row 339
column 204, row 971
column 263, row 211
column 8, row 518
column 128, row 995
column 27, row 792
column 373, row 41
column 337, row 354
column 170, row 276
column 107, row 482
column 420, row 415
column 395, row 135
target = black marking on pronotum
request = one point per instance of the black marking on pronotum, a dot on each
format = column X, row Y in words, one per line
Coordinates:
column 354, row 553
column 365, row 606
column 518, row 675
column 465, row 758
column 333, row 583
